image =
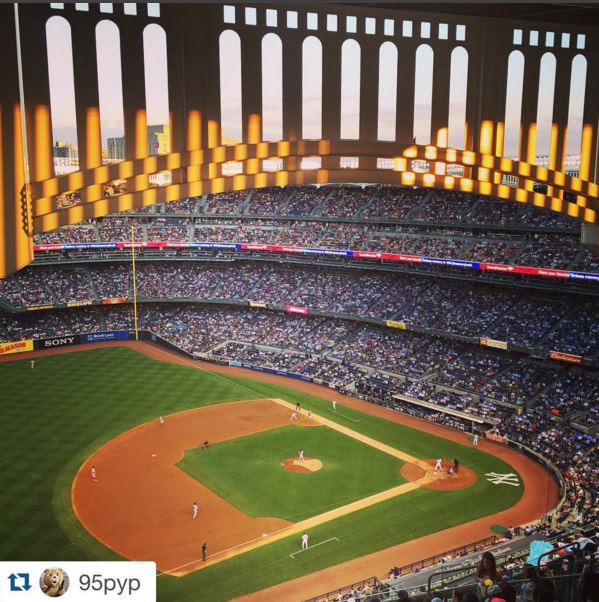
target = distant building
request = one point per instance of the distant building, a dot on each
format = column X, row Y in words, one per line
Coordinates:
column 65, row 157
column 158, row 143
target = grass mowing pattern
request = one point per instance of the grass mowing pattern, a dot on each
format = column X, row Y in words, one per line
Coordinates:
column 258, row 485
column 54, row 416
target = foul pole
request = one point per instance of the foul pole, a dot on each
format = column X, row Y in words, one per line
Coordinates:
column 134, row 283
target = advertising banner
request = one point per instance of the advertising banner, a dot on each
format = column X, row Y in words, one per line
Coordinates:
column 114, row 300
column 38, row 307
column 294, row 309
column 257, row 303
column 16, row 347
column 495, row 437
column 51, row 343
column 494, row 343
column 565, row 357
column 395, row 324
column 112, row 335
column 79, row 303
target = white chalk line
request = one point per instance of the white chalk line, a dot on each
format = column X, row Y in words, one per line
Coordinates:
column 314, row 546
column 344, row 416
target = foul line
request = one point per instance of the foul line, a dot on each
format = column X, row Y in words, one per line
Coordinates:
column 344, row 416
column 314, row 546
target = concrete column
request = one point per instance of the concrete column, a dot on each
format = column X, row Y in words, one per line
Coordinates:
column 369, row 89
column 404, row 124
column 331, row 87
column 134, row 95
column 87, row 104
column 15, row 213
column 292, row 85
column 440, row 102
column 589, row 168
column 251, row 85
column 530, row 94
column 559, row 134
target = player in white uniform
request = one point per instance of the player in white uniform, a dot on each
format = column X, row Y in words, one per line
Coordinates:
column 438, row 464
column 334, row 405
column 161, row 419
column 294, row 416
column 301, row 455
column 305, row 541
column 194, row 510
column 475, row 439
column 32, row 364
column 309, row 414
column 93, row 471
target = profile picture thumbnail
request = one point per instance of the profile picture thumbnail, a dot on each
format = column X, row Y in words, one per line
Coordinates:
column 54, row 582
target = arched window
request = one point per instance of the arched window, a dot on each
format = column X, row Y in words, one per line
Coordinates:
column 110, row 90
column 312, row 88
column 545, row 104
column 230, row 86
column 578, row 82
column 350, row 89
column 513, row 104
column 156, row 80
column 458, row 87
column 272, row 87
column 423, row 94
column 387, row 91
column 62, row 94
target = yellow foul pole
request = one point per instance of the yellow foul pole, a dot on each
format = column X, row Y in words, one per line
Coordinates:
column 134, row 283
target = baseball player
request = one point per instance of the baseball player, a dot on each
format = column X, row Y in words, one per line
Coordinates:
column 298, row 407
column 438, row 464
column 301, row 455
column 294, row 416
column 334, row 405
column 93, row 471
column 204, row 549
column 475, row 439
column 305, row 541
column 32, row 364
column 194, row 510
column 161, row 419
column 309, row 414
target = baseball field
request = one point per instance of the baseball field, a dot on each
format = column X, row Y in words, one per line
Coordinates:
column 366, row 493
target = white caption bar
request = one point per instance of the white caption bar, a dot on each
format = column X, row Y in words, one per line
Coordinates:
column 78, row 581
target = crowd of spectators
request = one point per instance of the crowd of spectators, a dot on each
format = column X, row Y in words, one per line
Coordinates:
column 552, row 322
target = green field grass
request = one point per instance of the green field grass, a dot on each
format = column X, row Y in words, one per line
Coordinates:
column 258, row 485
column 54, row 416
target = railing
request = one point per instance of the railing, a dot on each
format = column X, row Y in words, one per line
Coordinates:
column 371, row 582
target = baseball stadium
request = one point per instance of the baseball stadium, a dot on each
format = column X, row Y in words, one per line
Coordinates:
column 300, row 302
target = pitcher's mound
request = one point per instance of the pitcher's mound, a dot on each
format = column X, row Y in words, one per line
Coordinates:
column 444, row 481
column 308, row 465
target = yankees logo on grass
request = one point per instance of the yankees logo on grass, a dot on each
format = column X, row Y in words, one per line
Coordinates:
column 503, row 479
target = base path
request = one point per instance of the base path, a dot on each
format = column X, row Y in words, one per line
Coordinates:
column 541, row 492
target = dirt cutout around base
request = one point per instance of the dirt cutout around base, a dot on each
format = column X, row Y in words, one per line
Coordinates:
column 308, row 465
column 444, row 480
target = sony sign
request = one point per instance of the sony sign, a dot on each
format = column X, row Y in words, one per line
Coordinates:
column 59, row 341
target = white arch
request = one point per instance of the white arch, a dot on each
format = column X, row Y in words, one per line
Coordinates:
column 513, row 104
column 110, row 85
column 350, row 89
column 62, row 84
column 578, row 81
column 272, row 87
column 545, row 104
column 312, row 88
column 387, row 104
column 230, row 86
column 423, row 93
column 156, row 81
column 458, row 90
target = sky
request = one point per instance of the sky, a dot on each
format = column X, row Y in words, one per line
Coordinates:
column 156, row 78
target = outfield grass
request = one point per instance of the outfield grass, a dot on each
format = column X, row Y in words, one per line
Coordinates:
column 258, row 485
column 54, row 416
